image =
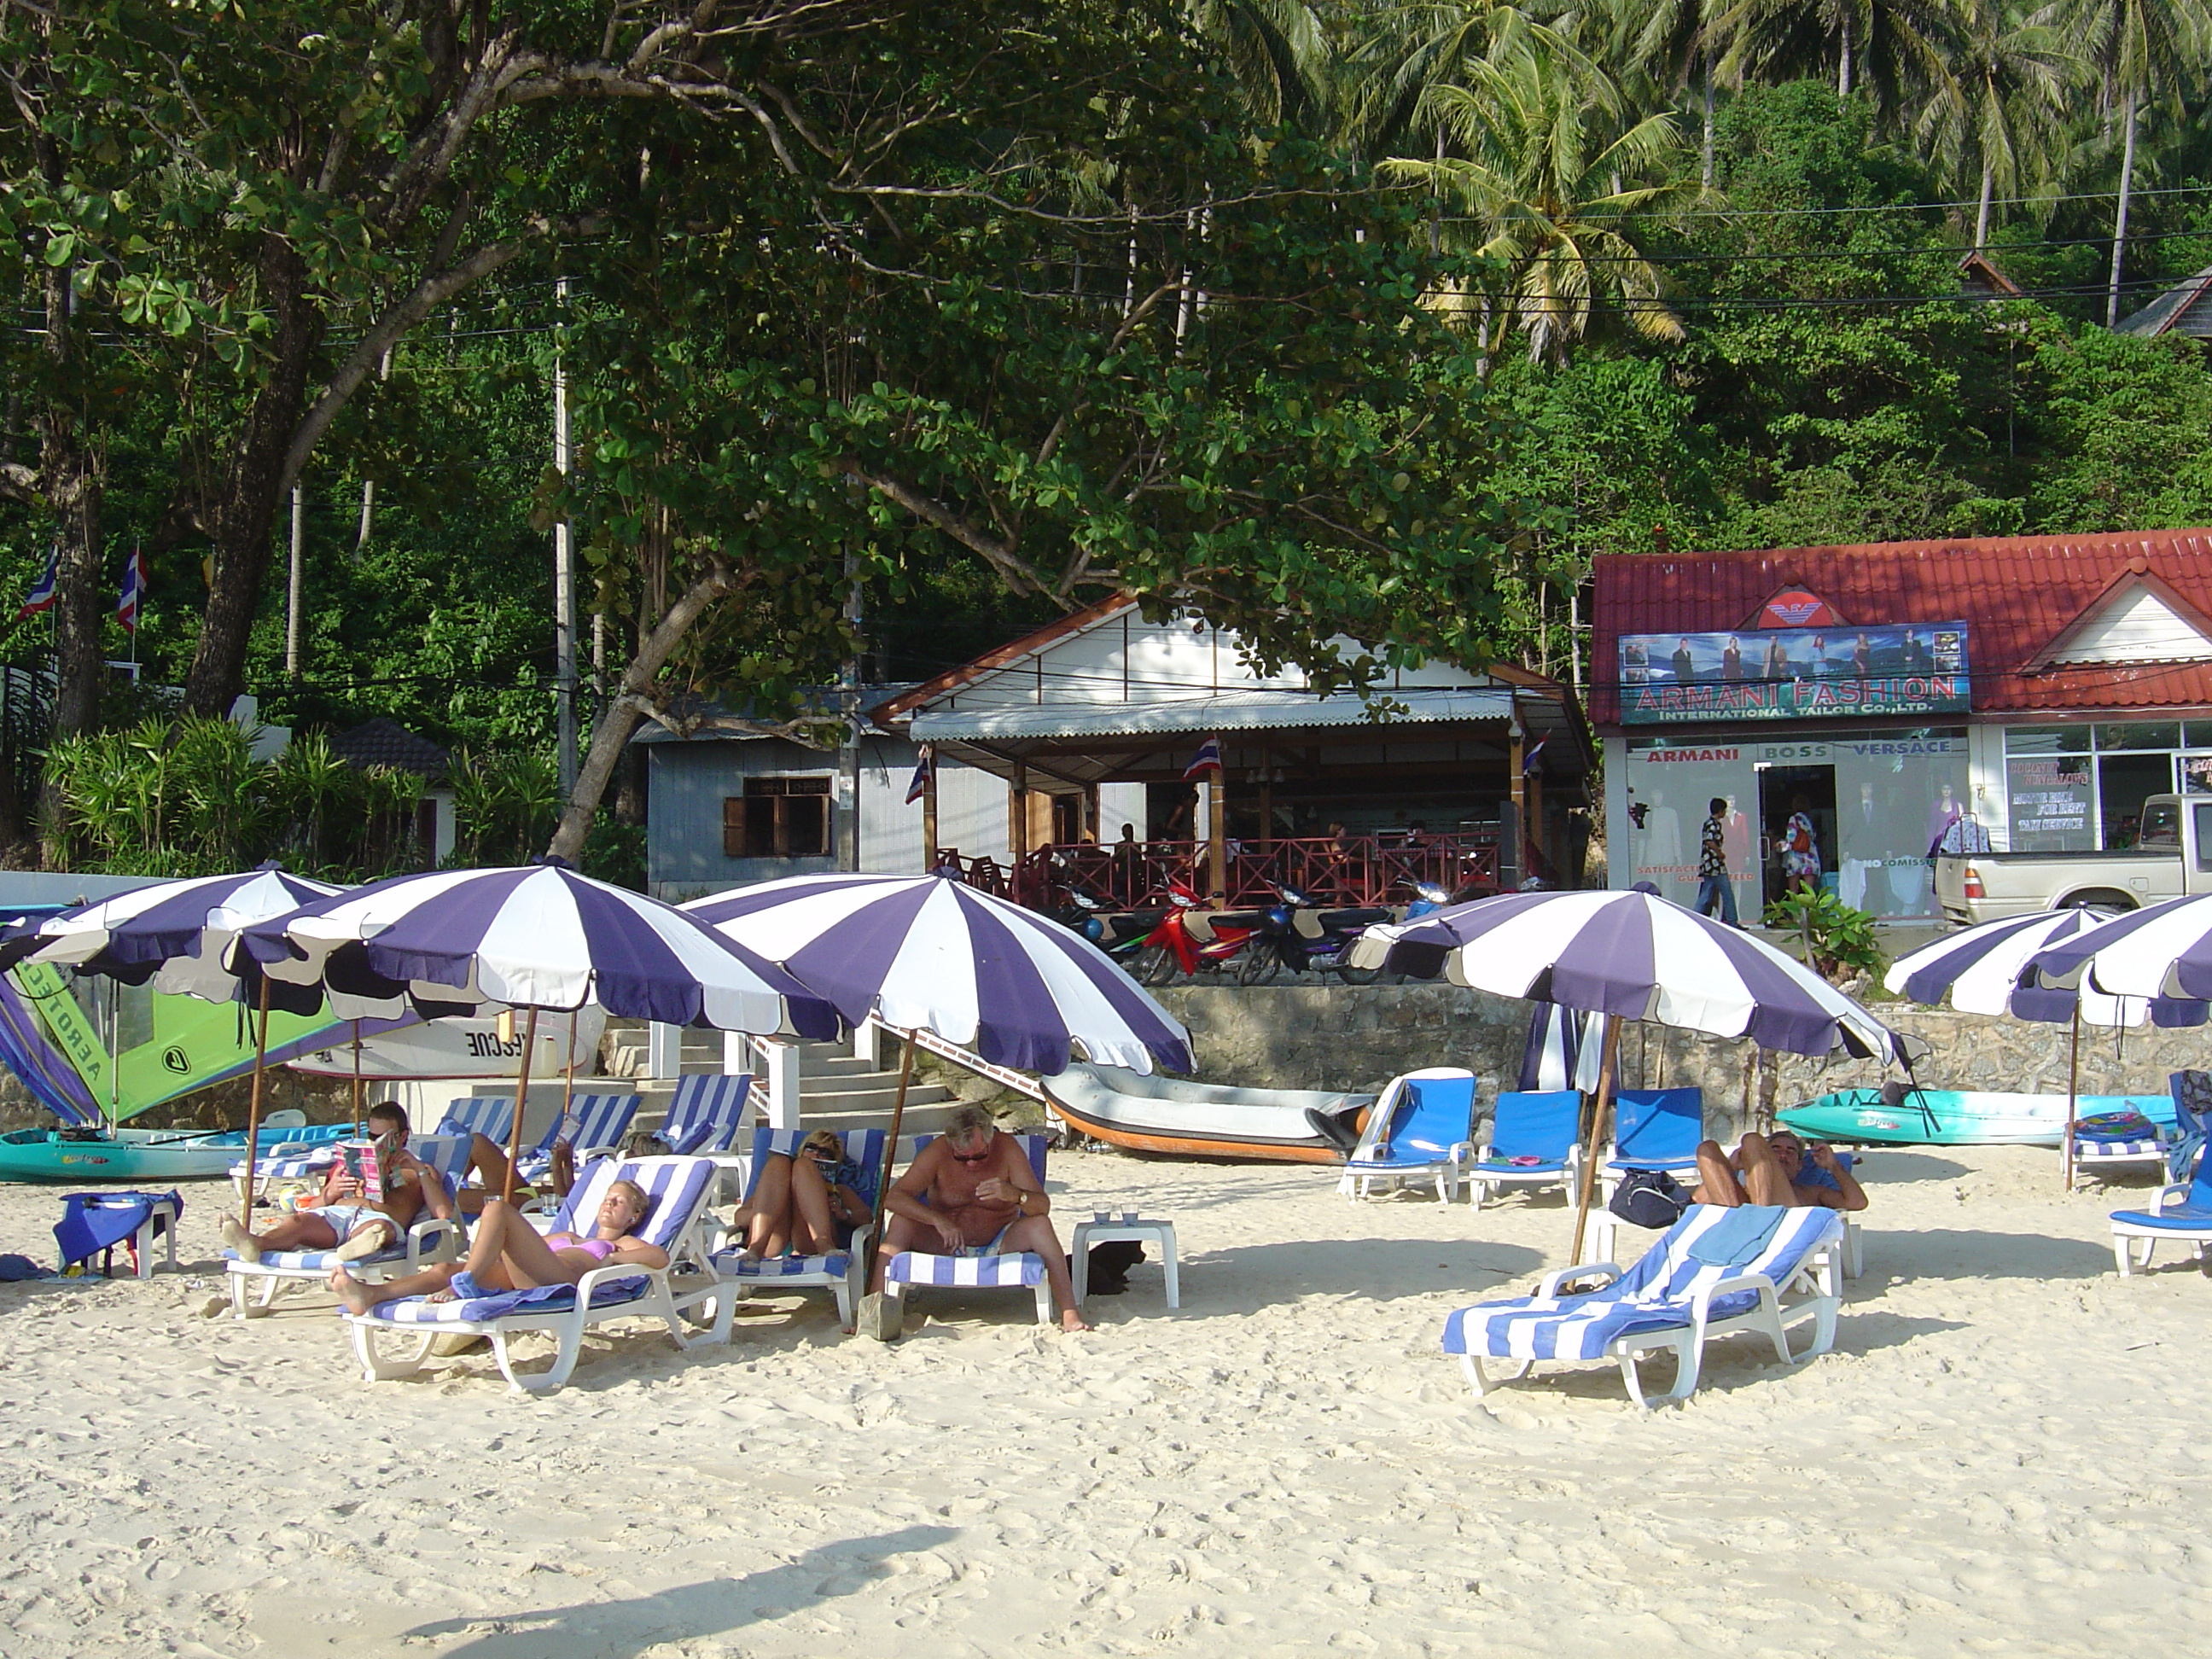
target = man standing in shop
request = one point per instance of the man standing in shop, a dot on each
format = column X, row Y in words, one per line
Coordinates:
column 1716, row 892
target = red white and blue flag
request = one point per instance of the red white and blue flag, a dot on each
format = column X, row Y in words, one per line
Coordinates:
column 134, row 588
column 41, row 595
column 1207, row 759
column 925, row 774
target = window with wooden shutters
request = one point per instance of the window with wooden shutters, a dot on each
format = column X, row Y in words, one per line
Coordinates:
column 778, row 818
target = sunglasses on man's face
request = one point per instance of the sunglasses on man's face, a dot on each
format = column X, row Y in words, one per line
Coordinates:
column 983, row 1157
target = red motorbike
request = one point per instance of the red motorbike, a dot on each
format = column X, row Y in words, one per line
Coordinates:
column 1179, row 946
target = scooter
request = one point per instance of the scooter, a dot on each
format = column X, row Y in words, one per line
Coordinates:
column 1292, row 934
column 1131, row 930
column 1172, row 947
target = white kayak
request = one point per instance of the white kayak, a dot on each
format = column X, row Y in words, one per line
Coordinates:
column 463, row 1049
column 1151, row 1114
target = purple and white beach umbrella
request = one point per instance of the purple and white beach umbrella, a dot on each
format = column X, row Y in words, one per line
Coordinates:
column 1981, row 970
column 536, row 937
column 1639, row 956
column 929, row 952
column 176, row 934
column 2161, row 951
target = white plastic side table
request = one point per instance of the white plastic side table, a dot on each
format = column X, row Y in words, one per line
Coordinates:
column 1107, row 1231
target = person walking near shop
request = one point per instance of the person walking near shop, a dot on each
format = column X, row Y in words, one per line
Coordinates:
column 1716, row 892
column 1800, row 847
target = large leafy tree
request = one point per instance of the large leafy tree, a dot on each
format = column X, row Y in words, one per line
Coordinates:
column 1084, row 332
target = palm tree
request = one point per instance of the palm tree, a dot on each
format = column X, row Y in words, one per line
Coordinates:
column 2006, row 89
column 2143, row 48
column 1554, row 177
column 1889, row 49
column 1281, row 55
column 1672, row 40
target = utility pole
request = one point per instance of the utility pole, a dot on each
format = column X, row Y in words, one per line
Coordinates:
column 564, row 581
column 292, row 590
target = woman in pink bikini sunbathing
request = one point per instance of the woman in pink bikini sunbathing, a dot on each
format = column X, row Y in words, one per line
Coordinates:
column 506, row 1253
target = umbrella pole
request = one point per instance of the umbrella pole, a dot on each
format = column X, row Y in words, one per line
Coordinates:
column 521, row 1095
column 891, row 1142
column 253, row 1107
column 357, row 1121
column 1608, row 1059
column 569, row 1082
column 2073, row 1094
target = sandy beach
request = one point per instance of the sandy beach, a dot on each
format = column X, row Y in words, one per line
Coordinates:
column 2003, row 1455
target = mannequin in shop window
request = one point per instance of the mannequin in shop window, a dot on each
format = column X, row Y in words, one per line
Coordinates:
column 1800, row 847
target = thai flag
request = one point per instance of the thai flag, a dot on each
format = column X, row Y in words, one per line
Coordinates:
column 1208, row 758
column 925, row 774
column 134, row 588
column 41, row 595
column 1532, row 757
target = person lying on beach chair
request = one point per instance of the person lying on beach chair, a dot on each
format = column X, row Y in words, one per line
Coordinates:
column 1776, row 1169
column 506, row 1253
column 971, row 1192
column 810, row 1203
column 344, row 1221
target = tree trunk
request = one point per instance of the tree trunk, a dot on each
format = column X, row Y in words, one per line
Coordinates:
column 1843, row 62
column 1982, row 215
column 1705, row 95
column 245, row 519
column 70, row 472
column 611, row 734
column 2120, row 212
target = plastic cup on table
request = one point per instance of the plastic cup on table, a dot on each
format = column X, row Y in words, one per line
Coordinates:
column 1100, row 1217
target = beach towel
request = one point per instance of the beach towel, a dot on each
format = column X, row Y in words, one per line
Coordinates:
column 472, row 1302
column 1737, row 1237
column 2115, row 1126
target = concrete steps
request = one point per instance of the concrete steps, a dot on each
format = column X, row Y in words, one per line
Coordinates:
column 837, row 1089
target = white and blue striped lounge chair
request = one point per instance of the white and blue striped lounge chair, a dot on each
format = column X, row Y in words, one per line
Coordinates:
column 2182, row 1212
column 1421, row 1129
column 1019, row 1270
column 679, row 1188
column 491, row 1116
column 1715, row 1271
column 1654, row 1129
column 704, row 1116
column 841, row 1272
column 593, row 1124
column 429, row 1240
column 1535, row 1140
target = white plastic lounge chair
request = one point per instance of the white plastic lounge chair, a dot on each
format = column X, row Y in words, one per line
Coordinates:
column 1654, row 1129
column 678, row 1187
column 1018, row 1270
column 1535, row 1140
column 1715, row 1271
column 593, row 1124
column 429, row 1240
column 703, row 1119
column 1421, row 1129
column 841, row 1272
column 2180, row 1214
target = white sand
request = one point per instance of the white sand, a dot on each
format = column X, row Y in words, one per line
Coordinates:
column 2006, row 1453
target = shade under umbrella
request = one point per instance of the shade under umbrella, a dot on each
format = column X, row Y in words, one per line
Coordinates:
column 176, row 934
column 537, row 936
column 929, row 952
column 1639, row 956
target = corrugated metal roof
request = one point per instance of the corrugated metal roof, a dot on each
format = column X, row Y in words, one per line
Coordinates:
column 2179, row 307
column 2016, row 593
column 1232, row 711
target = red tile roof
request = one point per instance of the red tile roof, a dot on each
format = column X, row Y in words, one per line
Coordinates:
column 2016, row 593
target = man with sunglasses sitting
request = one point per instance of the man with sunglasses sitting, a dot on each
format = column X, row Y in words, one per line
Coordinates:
column 971, row 1192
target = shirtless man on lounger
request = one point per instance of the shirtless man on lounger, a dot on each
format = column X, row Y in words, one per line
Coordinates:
column 971, row 1192
column 343, row 1221
column 1778, row 1169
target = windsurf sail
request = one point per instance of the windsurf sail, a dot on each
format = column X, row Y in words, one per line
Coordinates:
column 44, row 1069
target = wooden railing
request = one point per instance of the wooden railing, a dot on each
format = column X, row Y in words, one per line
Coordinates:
column 1329, row 871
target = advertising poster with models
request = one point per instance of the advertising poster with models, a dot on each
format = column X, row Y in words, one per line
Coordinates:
column 1795, row 673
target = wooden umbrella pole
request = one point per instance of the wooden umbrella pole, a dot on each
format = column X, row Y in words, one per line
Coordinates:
column 569, row 1082
column 1607, row 1058
column 253, row 1107
column 521, row 1096
column 891, row 1142
column 357, row 1119
column 2073, row 1093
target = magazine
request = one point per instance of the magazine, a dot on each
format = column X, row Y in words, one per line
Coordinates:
column 370, row 1163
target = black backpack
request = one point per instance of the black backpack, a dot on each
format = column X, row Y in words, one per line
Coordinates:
column 1649, row 1198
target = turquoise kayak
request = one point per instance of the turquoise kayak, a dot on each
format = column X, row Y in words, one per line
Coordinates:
column 1951, row 1117
column 156, row 1155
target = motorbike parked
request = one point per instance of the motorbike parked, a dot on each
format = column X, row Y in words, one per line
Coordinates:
column 1174, row 947
column 1292, row 934
column 1121, row 935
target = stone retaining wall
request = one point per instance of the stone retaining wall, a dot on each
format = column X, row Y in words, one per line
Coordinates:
column 1339, row 1036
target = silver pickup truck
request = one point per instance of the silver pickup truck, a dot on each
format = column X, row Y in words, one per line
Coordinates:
column 2174, row 857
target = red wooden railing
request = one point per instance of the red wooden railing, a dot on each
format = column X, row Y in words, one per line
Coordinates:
column 1330, row 871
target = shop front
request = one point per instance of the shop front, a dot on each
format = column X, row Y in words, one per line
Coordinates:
column 2023, row 694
